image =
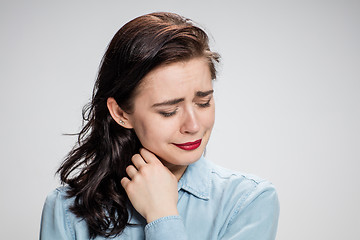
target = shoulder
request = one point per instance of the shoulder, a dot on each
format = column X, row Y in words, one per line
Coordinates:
column 58, row 197
column 57, row 219
column 58, row 204
column 247, row 205
column 241, row 189
column 221, row 175
column 59, row 193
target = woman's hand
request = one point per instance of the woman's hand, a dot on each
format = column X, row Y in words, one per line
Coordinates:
column 152, row 188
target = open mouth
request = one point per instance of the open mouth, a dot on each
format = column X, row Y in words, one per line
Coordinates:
column 189, row 145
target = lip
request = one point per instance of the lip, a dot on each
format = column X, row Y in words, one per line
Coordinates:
column 189, row 145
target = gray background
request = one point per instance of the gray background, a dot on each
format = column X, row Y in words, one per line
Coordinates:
column 288, row 102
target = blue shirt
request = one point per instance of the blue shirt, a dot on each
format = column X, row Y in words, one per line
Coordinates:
column 214, row 203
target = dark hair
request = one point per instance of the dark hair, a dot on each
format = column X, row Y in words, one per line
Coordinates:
column 95, row 166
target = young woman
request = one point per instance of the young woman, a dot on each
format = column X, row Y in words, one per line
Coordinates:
column 138, row 171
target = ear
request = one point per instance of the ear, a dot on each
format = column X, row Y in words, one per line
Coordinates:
column 120, row 116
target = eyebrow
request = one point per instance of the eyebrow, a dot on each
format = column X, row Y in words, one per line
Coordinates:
column 203, row 94
column 179, row 100
column 169, row 102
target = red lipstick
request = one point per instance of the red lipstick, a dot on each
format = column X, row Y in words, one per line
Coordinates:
column 189, row 145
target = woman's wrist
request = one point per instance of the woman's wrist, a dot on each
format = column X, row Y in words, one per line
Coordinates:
column 160, row 214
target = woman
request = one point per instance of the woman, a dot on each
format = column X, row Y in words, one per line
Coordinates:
column 138, row 171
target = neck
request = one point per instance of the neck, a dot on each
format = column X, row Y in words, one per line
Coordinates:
column 177, row 170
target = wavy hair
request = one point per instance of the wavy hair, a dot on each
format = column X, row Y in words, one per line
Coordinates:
column 94, row 167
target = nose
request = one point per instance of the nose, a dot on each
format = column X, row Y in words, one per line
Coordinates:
column 190, row 123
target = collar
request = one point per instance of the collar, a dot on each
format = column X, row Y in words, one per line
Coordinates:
column 197, row 179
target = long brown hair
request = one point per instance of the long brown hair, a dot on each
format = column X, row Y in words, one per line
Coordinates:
column 95, row 166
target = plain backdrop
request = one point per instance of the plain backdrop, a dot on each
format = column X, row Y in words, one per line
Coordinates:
column 287, row 100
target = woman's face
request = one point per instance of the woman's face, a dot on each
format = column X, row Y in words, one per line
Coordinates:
column 174, row 111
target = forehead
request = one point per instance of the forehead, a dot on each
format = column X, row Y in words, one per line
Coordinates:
column 176, row 80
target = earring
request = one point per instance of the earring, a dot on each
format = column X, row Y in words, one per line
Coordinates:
column 121, row 122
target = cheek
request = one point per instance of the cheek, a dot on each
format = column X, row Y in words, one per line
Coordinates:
column 142, row 130
column 209, row 119
column 151, row 133
column 163, row 131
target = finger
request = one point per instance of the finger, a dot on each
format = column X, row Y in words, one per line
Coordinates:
column 131, row 171
column 148, row 156
column 124, row 182
column 138, row 161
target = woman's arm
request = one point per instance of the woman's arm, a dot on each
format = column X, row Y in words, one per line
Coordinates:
column 152, row 190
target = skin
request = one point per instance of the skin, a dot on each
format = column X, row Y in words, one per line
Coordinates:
column 173, row 105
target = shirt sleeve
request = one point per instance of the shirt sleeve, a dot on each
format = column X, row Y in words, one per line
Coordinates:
column 170, row 227
column 53, row 220
column 257, row 217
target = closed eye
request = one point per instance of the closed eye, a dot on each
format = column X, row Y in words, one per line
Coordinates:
column 204, row 105
column 168, row 114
